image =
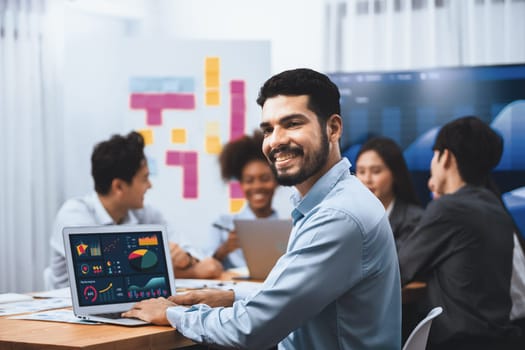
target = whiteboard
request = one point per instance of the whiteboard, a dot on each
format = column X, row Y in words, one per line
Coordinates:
column 186, row 97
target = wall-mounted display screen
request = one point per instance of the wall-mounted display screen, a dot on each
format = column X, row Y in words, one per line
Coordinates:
column 410, row 106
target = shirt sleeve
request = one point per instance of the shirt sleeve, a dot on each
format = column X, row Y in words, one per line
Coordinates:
column 72, row 213
column 215, row 235
column 426, row 245
column 243, row 290
column 297, row 285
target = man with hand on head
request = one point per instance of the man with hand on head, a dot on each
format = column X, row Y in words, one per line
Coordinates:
column 337, row 286
column 121, row 177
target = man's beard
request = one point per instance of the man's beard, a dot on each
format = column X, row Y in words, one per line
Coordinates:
column 312, row 164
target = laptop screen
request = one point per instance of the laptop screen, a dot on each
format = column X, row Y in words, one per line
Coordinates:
column 119, row 267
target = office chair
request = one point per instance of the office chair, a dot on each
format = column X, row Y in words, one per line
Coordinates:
column 417, row 340
column 515, row 203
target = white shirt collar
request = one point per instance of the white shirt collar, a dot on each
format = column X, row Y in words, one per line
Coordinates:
column 390, row 207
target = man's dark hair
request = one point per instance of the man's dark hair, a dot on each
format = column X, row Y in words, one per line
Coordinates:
column 476, row 146
column 323, row 93
column 392, row 155
column 237, row 153
column 120, row 157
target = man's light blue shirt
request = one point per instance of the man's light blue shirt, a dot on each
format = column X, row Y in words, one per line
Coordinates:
column 336, row 287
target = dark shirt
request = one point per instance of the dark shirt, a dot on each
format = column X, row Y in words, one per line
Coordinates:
column 462, row 247
column 403, row 220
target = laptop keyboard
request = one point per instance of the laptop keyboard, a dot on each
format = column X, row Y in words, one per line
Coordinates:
column 111, row 315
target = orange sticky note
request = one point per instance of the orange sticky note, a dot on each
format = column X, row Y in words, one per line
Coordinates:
column 178, row 135
column 213, row 97
column 212, row 70
column 213, row 144
column 236, row 204
column 147, row 134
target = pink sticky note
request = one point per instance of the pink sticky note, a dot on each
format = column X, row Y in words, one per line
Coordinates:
column 188, row 160
column 155, row 103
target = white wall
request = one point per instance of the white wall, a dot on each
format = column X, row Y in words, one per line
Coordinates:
column 294, row 27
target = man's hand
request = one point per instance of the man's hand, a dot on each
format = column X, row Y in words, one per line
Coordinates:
column 210, row 297
column 179, row 257
column 205, row 268
column 231, row 244
column 151, row 310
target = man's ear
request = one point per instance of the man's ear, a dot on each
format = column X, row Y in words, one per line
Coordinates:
column 117, row 185
column 334, row 127
column 448, row 158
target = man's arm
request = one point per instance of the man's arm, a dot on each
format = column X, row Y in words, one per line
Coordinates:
column 74, row 212
column 154, row 310
column 420, row 249
column 187, row 266
column 210, row 297
column 151, row 310
column 293, row 293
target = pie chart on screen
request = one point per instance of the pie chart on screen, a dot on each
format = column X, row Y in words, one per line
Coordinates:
column 142, row 259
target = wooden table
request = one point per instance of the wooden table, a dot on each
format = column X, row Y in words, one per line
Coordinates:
column 413, row 291
column 41, row 335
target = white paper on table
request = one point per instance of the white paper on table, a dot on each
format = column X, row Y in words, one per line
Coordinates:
column 55, row 293
column 34, row 306
column 192, row 283
column 13, row 297
column 240, row 271
column 54, row 316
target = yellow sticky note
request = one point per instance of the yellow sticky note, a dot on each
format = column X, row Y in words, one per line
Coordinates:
column 178, row 135
column 212, row 80
column 147, row 134
column 213, row 97
column 213, row 145
column 236, row 204
column 212, row 70
column 212, row 64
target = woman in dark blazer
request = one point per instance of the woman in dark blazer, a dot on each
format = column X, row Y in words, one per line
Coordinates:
column 380, row 165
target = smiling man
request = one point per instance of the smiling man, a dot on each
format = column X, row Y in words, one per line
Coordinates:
column 337, row 286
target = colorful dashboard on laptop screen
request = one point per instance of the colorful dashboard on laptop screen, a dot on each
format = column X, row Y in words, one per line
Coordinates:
column 122, row 267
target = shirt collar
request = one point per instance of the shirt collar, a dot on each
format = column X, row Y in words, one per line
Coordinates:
column 105, row 219
column 390, row 206
column 319, row 190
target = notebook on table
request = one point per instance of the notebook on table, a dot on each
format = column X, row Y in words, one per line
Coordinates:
column 262, row 241
column 110, row 268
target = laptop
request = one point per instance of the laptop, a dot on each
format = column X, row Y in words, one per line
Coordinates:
column 110, row 268
column 262, row 241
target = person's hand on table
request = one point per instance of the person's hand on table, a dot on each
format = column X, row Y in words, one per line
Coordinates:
column 231, row 244
column 179, row 257
column 151, row 310
column 154, row 310
column 210, row 297
column 205, row 268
